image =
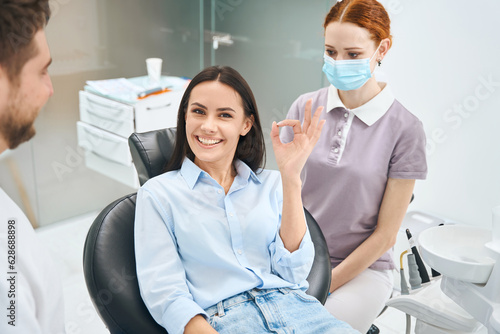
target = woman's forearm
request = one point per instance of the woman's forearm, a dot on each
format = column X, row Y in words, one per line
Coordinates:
column 291, row 158
column 360, row 259
column 293, row 224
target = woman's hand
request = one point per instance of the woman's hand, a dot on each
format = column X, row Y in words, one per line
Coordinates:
column 198, row 325
column 291, row 157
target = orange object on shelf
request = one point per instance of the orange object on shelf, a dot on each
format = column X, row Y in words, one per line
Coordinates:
column 164, row 90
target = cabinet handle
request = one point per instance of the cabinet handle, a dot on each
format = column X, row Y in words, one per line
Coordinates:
column 159, row 107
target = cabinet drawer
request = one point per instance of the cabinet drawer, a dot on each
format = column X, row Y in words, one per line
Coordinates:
column 106, row 114
column 118, row 172
column 104, row 144
column 158, row 112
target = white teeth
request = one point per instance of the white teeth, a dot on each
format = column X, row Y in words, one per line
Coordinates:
column 205, row 141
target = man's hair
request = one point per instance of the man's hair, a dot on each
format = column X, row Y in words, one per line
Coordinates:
column 20, row 20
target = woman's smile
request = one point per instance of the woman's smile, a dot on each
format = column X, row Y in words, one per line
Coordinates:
column 208, row 141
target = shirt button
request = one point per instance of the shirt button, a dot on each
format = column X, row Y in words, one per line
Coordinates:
column 339, row 133
column 240, row 251
column 336, row 150
column 230, row 214
column 219, row 191
column 346, row 114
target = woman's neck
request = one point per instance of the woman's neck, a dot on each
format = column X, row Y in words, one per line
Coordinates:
column 355, row 98
column 224, row 175
column 226, row 179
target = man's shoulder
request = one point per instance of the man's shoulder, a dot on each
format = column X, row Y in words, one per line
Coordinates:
column 12, row 215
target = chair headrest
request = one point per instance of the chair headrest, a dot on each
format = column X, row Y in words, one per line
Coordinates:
column 151, row 151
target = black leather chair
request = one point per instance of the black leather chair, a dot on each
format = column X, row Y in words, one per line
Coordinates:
column 109, row 260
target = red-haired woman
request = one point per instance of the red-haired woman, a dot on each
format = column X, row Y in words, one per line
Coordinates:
column 359, row 179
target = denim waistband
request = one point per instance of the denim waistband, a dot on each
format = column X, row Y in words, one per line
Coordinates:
column 223, row 305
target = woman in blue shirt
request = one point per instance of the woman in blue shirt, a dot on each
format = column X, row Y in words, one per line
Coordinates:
column 221, row 244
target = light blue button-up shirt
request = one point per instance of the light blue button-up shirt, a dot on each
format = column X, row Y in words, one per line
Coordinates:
column 196, row 246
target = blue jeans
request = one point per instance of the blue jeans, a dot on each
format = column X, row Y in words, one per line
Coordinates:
column 282, row 311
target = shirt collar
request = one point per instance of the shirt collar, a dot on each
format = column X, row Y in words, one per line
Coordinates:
column 371, row 111
column 192, row 173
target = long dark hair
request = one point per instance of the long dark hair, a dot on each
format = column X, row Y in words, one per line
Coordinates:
column 251, row 148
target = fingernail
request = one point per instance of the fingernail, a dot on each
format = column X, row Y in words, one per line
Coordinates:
column 279, row 123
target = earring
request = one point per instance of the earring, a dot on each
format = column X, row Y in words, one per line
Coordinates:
column 379, row 61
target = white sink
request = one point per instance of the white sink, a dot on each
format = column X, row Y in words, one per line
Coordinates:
column 458, row 251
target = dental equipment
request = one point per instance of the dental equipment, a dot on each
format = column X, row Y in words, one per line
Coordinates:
column 469, row 260
column 421, row 267
column 404, row 286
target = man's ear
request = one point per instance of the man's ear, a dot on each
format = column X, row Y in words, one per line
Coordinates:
column 4, row 85
column 3, row 74
column 4, row 77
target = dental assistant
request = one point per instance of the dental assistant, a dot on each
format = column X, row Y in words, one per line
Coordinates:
column 358, row 181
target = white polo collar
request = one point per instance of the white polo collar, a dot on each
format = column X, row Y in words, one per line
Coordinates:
column 371, row 111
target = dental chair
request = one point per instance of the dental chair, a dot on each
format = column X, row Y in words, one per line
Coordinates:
column 109, row 259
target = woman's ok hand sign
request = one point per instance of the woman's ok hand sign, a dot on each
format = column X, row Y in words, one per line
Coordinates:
column 291, row 157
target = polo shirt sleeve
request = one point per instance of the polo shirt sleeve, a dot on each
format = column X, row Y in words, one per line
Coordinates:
column 161, row 275
column 408, row 160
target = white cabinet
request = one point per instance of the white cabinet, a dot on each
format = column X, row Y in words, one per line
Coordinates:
column 107, row 122
column 106, row 114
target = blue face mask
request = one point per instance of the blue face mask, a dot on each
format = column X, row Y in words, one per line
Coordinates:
column 348, row 74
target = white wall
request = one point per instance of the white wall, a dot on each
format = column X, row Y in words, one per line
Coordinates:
column 444, row 66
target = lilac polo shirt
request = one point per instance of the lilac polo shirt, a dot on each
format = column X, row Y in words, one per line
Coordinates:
column 345, row 177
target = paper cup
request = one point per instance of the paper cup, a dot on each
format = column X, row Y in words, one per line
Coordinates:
column 154, row 70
